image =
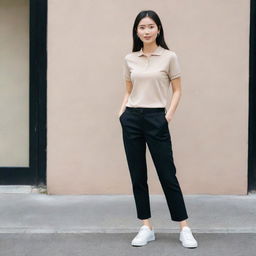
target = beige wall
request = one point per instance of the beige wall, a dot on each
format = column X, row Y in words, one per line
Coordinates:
column 86, row 44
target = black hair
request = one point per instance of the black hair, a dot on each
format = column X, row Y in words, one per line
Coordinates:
column 137, row 43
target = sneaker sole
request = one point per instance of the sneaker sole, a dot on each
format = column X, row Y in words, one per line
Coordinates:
column 188, row 246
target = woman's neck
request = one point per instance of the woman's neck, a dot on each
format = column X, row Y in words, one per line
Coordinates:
column 149, row 48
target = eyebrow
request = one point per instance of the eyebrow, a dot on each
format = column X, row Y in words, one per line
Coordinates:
column 148, row 24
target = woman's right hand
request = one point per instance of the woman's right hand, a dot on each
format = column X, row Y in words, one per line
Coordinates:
column 120, row 113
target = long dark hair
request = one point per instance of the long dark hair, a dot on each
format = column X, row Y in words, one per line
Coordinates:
column 137, row 43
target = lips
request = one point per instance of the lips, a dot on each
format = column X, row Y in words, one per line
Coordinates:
column 147, row 37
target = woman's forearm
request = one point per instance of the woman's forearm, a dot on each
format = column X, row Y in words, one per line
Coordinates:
column 126, row 96
column 174, row 104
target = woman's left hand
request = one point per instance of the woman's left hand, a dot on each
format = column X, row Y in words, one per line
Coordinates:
column 167, row 118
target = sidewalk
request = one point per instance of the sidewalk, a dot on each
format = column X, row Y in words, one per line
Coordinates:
column 42, row 213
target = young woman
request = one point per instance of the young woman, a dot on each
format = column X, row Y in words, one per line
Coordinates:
column 149, row 70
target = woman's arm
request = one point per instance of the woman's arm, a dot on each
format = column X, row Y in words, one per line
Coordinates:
column 128, row 90
column 176, row 88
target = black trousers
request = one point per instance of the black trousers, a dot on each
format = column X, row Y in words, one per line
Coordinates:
column 149, row 125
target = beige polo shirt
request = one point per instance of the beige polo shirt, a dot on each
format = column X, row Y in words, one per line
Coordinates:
column 150, row 76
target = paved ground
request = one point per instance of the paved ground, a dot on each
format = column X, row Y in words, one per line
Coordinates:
column 116, row 213
column 41, row 224
column 119, row 244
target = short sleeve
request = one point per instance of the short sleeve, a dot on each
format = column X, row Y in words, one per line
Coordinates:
column 174, row 67
column 126, row 71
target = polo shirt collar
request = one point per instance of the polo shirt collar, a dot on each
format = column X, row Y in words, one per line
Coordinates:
column 157, row 51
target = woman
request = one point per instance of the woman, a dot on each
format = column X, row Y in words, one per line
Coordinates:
column 149, row 71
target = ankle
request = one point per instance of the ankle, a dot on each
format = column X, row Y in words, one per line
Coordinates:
column 150, row 226
column 183, row 227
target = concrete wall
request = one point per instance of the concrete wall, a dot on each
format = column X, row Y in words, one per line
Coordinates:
column 86, row 45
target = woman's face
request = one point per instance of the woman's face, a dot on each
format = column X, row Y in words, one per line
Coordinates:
column 147, row 30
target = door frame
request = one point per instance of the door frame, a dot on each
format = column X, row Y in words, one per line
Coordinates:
column 252, row 102
column 35, row 174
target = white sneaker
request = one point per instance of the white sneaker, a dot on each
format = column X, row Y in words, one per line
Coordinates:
column 187, row 238
column 144, row 235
